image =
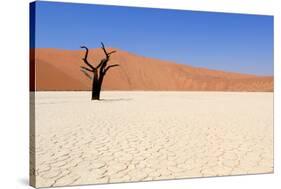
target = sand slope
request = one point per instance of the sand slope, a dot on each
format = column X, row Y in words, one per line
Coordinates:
column 137, row 136
column 58, row 69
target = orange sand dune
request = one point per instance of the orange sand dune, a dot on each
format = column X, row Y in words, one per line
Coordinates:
column 57, row 69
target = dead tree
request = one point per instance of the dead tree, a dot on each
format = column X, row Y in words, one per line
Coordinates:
column 96, row 74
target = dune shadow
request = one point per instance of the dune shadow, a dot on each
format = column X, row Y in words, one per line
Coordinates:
column 116, row 99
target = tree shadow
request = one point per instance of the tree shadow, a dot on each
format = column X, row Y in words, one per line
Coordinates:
column 116, row 99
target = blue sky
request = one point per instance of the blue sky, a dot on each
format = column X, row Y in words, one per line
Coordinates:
column 230, row 42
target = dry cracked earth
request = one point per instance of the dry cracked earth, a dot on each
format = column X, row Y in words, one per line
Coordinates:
column 142, row 136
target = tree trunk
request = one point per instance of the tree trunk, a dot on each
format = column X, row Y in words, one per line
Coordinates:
column 96, row 88
column 102, row 68
column 95, row 94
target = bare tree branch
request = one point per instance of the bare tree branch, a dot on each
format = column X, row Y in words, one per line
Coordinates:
column 87, row 51
column 103, row 48
column 85, row 68
column 101, row 63
column 111, row 52
column 85, row 59
column 86, row 74
column 105, row 52
column 108, row 67
column 103, row 66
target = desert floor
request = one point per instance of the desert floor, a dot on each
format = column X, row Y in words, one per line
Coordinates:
column 138, row 136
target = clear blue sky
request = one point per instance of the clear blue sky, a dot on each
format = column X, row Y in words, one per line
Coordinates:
column 230, row 42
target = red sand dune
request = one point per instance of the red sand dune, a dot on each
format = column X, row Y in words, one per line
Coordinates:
column 57, row 69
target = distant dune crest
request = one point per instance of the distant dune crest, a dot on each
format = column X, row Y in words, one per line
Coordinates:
column 59, row 70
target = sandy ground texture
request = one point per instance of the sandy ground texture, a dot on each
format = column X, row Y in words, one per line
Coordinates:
column 142, row 136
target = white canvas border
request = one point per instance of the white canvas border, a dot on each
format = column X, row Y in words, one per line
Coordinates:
column 14, row 92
